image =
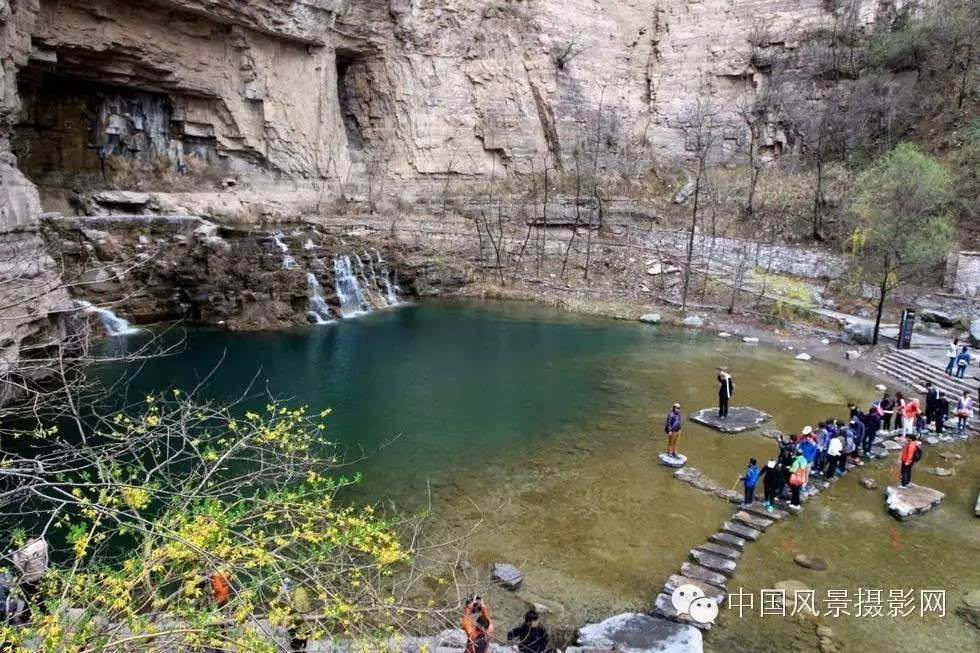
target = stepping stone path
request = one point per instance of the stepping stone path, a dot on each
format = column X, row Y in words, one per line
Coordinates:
column 720, row 549
column 714, row 562
column 702, row 575
column 712, row 592
column 728, row 539
column 741, row 530
column 753, row 521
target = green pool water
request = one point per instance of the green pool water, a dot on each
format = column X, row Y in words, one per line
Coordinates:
column 543, row 429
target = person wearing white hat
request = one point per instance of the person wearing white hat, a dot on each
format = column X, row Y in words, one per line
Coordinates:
column 726, row 388
column 673, row 428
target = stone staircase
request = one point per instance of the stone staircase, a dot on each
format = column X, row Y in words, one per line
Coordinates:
column 908, row 366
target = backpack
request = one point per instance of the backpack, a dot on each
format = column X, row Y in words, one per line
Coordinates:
column 917, row 454
column 796, row 478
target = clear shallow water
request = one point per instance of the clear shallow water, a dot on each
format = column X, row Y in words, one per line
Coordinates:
column 544, row 428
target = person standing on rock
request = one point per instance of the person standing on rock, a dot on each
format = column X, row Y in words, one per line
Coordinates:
column 941, row 412
column 872, row 422
column 529, row 636
column 857, row 424
column 911, row 454
column 673, row 429
column 909, row 410
column 932, row 398
column 834, row 452
column 963, row 362
column 951, row 354
column 797, row 478
column 964, row 410
column 887, row 410
column 726, row 388
column 749, row 479
column 772, row 484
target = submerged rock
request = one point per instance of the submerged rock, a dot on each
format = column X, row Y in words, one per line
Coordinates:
column 724, row 334
column 803, row 357
column 905, row 502
column 816, row 564
column 507, row 575
column 942, row 471
column 672, row 461
column 750, row 340
column 868, row 483
column 640, row 633
column 693, row 321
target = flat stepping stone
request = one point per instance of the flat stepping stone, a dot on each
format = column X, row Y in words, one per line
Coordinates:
column 761, row 511
column 891, row 445
column 720, row 549
column 673, row 461
column 714, row 562
column 756, row 522
column 710, row 591
column 728, row 539
column 731, row 495
column 740, row 418
column 629, row 631
column 902, row 503
column 664, row 607
column 700, row 574
column 741, row 530
column 879, row 452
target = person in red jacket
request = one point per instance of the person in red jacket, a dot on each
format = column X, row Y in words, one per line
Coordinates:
column 477, row 625
column 911, row 453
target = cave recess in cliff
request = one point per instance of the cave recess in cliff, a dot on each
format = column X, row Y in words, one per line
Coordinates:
column 346, row 97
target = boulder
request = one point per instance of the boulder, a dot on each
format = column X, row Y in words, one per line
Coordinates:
column 852, row 354
column 903, row 502
column 808, row 562
column 641, row 633
column 724, row 334
column 750, row 340
column 693, row 321
column 507, row 575
column 803, row 357
column 970, row 608
column 857, row 333
column 942, row 471
column 881, row 387
column 868, row 483
column 650, row 318
column 824, row 341
column 975, row 333
column 944, row 320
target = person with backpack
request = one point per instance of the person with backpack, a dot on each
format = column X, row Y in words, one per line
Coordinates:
column 963, row 362
column 848, row 439
column 726, row 388
column 872, row 423
column 673, row 429
column 911, row 454
column 951, row 354
column 887, row 410
column 857, row 425
column 797, row 478
column 964, row 410
column 772, row 484
column 749, row 479
column 932, row 398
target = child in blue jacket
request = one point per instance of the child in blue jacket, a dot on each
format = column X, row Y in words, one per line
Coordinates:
column 750, row 478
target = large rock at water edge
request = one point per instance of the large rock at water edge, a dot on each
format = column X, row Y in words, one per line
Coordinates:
column 740, row 418
column 903, row 502
column 506, row 575
column 693, row 321
column 858, row 333
column 641, row 633
column 650, row 318
column 970, row 609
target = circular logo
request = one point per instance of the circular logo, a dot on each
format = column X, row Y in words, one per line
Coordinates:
column 703, row 610
column 683, row 596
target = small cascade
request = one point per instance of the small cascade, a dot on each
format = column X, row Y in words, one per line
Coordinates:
column 319, row 310
column 112, row 323
column 352, row 301
column 391, row 289
column 288, row 262
column 370, row 289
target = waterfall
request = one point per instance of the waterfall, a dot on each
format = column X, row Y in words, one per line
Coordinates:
column 352, row 301
column 112, row 323
column 391, row 294
column 319, row 310
column 288, row 262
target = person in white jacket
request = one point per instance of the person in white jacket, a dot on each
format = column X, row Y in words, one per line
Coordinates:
column 951, row 353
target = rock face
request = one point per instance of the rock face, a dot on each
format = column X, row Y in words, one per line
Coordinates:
column 936, row 316
column 904, row 502
column 640, row 633
column 975, row 333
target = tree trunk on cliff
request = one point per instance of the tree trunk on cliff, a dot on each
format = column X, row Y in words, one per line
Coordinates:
column 690, row 242
column 882, row 294
column 578, row 194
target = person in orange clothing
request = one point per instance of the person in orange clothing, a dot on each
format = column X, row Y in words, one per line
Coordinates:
column 220, row 588
column 911, row 453
column 477, row 625
column 909, row 412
